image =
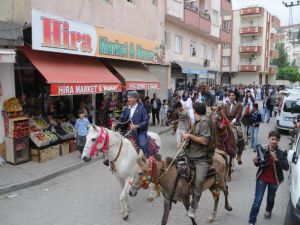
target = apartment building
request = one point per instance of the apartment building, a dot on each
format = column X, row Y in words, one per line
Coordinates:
column 194, row 32
column 253, row 46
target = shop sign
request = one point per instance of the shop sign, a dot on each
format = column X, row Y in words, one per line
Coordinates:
column 56, row 34
column 142, row 85
column 83, row 89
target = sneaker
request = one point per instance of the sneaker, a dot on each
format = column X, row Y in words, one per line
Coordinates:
column 191, row 213
column 267, row 215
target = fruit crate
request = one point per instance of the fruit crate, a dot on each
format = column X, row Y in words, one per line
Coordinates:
column 18, row 133
column 46, row 154
column 39, row 139
column 40, row 122
column 64, row 148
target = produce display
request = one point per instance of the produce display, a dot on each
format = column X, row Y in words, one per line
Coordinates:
column 33, row 128
column 51, row 136
column 69, row 128
column 40, row 123
column 12, row 105
column 39, row 139
column 61, row 132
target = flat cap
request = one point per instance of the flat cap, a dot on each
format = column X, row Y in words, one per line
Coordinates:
column 133, row 94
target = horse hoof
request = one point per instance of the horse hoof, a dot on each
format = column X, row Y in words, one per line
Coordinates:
column 150, row 199
column 210, row 219
column 228, row 208
column 240, row 162
column 125, row 217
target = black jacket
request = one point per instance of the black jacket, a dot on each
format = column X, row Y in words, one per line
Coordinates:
column 158, row 102
column 279, row 165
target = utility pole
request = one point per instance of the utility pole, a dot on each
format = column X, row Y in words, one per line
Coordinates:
column 291, row 4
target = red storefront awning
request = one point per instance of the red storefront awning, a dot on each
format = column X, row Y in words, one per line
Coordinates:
column 71, row 74
column 135, row 75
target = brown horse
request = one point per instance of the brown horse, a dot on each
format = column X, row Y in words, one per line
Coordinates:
column 226, row 140
column 166, row 178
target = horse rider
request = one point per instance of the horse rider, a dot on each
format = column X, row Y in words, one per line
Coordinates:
column 233, row 109
column 137, row 114
column 197, row 152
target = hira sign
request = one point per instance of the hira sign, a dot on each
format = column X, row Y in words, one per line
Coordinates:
column 56, row 34
column 83, row 89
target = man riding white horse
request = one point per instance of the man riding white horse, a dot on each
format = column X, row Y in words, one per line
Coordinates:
column 138, row 117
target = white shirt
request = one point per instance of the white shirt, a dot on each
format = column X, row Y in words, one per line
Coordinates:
column 132, row 110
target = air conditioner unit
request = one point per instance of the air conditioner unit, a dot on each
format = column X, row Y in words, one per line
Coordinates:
column 253, row 37
column 206, row 63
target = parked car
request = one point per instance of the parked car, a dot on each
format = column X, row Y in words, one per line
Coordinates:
column 293, row 210
column 288, row 111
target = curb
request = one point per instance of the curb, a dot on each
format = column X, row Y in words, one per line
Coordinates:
column 54, row 174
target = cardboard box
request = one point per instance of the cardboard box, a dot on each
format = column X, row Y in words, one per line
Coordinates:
column 64, row 148
column 41, row 156
column 55, row 151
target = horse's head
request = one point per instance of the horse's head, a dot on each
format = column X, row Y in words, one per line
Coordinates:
column 218, row 117
column 145, row 171
column 97, row 139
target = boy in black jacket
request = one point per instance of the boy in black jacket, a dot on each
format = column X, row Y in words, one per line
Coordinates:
column 271, row 161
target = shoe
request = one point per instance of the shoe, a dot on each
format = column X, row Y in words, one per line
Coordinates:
column 191, row 213
column 267, row 215
column 251, row 223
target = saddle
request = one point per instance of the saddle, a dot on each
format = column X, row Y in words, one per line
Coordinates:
column 186, row 169
column 151, row 143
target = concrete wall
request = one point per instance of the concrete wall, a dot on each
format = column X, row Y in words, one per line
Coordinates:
column 7, row 81
column 161, row 73
column 141, row 19
column 247, row 78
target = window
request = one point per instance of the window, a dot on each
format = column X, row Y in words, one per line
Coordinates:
column 225, row 60
column 154, row 2
column 226, row 45
column 193, row 49
column 167, row 40
column 130, row 1
column 178, row 44
column 213, row 54
column 204, row 51
column 226, row 25
column 215, row 17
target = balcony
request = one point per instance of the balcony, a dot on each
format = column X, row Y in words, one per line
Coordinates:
column 273, row 70
column 251, row 30
column 251, row 49
column 275, row 22
column 274, row 37
column 252, row 11
column 274, row 54
column 225, row 36
column 249, row 68
column 174, row 10
column 226, row 7
column 196, row 19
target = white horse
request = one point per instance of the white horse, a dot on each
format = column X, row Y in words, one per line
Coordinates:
column 121, row 155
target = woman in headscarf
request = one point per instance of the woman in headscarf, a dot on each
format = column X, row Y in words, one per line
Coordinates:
column 187, row 104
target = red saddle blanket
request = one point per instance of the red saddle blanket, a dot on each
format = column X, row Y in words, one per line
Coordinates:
column 154, row 148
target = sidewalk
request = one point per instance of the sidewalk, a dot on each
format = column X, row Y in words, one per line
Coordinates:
column 24, row 175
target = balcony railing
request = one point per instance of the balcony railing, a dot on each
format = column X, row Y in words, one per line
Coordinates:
column 225, row 36
column 191, row 6
column 274, row 54
column 250, row 49
column 259, row 11
column 249, row 68
column 226, row 6
column 250, row 43
column 251, row 30
column 275, row 21
column 197, row 19
column 204, row 15
column 273, row 70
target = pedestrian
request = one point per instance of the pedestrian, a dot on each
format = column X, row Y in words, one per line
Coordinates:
column 183, row 121
column 82, row 126
column 187, row 104
column 254, row 127
column 249, row 100
column 147, row 105
column 155, row 104
column 163, row 112
column 266, row 109
column 271, row 161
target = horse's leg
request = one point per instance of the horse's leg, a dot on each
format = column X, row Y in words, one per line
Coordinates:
column 186, row 204
column 123, row 197
column 166, row 212
column 229, row 169
column 212, row 217
column 226, row 193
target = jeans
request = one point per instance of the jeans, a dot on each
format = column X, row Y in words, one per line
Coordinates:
column 80, row 140
column 266, row 115
column 253, row 136
column 155, row 114
column 259, row 195
column 143, row 143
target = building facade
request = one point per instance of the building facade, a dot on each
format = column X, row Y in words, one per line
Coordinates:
column 253, row 46
column 193, row 36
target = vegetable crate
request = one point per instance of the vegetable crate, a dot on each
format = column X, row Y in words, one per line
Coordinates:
column 64, row 148
column 44, row 155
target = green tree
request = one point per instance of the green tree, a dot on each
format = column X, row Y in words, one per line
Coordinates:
column 288, row 73
column 282, row 60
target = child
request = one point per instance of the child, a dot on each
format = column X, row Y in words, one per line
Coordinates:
column 163, row 113
column 82, row 126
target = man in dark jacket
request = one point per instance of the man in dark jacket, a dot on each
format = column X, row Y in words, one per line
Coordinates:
column 271, row 161
column 139, row 120
column 155, row 104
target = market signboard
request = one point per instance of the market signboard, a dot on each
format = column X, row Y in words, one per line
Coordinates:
column 83, row 89
column 134, row 85
column 56, row 34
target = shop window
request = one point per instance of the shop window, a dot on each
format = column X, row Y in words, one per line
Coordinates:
column 213, row 54
column 178, row 44
column 215, row 17
column 193, row 48
column 225, row 60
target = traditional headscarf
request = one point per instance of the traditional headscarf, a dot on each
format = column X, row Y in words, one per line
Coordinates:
column 183, row 96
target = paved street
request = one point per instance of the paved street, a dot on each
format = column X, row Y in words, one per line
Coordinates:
column 89, row 196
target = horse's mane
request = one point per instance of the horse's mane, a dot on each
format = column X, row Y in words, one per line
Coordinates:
column 168, row 160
